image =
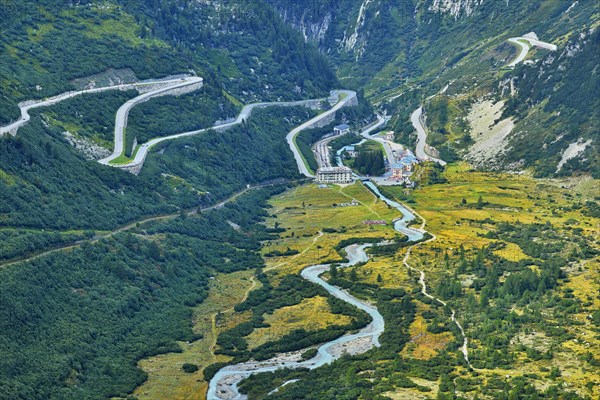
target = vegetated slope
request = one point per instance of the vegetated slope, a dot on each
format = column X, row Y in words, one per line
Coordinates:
column 403, row 51
column 77, row 321
column 557, row 106
column 244, row 44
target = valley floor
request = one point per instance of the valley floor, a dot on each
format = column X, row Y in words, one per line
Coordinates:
column 469, row 216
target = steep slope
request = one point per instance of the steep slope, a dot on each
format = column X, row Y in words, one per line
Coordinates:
column 255, row 57
column 402, row 52
column 556, row 105
column 82, row 298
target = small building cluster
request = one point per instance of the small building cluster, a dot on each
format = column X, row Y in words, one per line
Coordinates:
column 334, row 175
column 402, row 169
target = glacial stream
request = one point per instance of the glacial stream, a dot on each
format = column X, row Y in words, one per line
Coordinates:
column 223, row 386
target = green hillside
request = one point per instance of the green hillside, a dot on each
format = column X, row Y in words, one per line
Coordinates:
column 121, row 286
column 102, row 270
column 403, row 51
column 44, row 47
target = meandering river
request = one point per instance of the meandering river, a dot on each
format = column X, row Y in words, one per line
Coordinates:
column 223, row 386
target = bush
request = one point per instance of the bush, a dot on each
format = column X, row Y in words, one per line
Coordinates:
column 189, row 368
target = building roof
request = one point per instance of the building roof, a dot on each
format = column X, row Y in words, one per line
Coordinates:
column 342, row 127
column 334, row 169
column 410, row 159
column 350, row 148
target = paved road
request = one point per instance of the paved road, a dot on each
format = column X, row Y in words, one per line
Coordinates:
column 244, row 114
column 388, row 145
column 291, row 137
column 28, row 105
column 321, row 151
column 123, row 112
column 173, row 84
column 321, row 148
column 416, row 119
column 525, row 43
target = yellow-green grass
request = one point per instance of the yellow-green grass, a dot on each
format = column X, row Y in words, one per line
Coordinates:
column 511, row 252
column 166, row 380
column 232, row 99
column 519, row 198
column 385, row 272
column 585, row 285
column 307, row 210
column 424, row 345
column 37, row 34
column 120, row 24
column 310, row 314
column 526, row 200
column 74, row 128
column 414, row 394
column 6, row 178
column 516, row 198
column 123, row 159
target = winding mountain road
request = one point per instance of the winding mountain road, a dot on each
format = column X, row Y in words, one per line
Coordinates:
column 171, row 86
column 417, row 121
column 345, row 97
column 525, row 43
column 31, row 104
column 140, row 156
column 123, row 112
column 244, row 114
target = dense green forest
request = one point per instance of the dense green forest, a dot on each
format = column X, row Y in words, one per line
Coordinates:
column 76, row 322
column 63, row 41
column 370, row 162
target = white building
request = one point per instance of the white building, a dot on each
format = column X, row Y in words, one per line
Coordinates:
column 334, row 175
column 341, row 129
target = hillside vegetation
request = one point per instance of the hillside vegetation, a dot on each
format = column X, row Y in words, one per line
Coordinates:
column 403, row 51
column 48, row 46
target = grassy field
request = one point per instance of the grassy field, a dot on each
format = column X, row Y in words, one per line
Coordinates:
column 308, row 214
column 513, row 199
column 166, row 380
column 423, row 344
column 316, row 220
column 311, row 314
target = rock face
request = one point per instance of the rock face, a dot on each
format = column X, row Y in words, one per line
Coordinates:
column 455, row 8
column 489, row 132
column 89, row 149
